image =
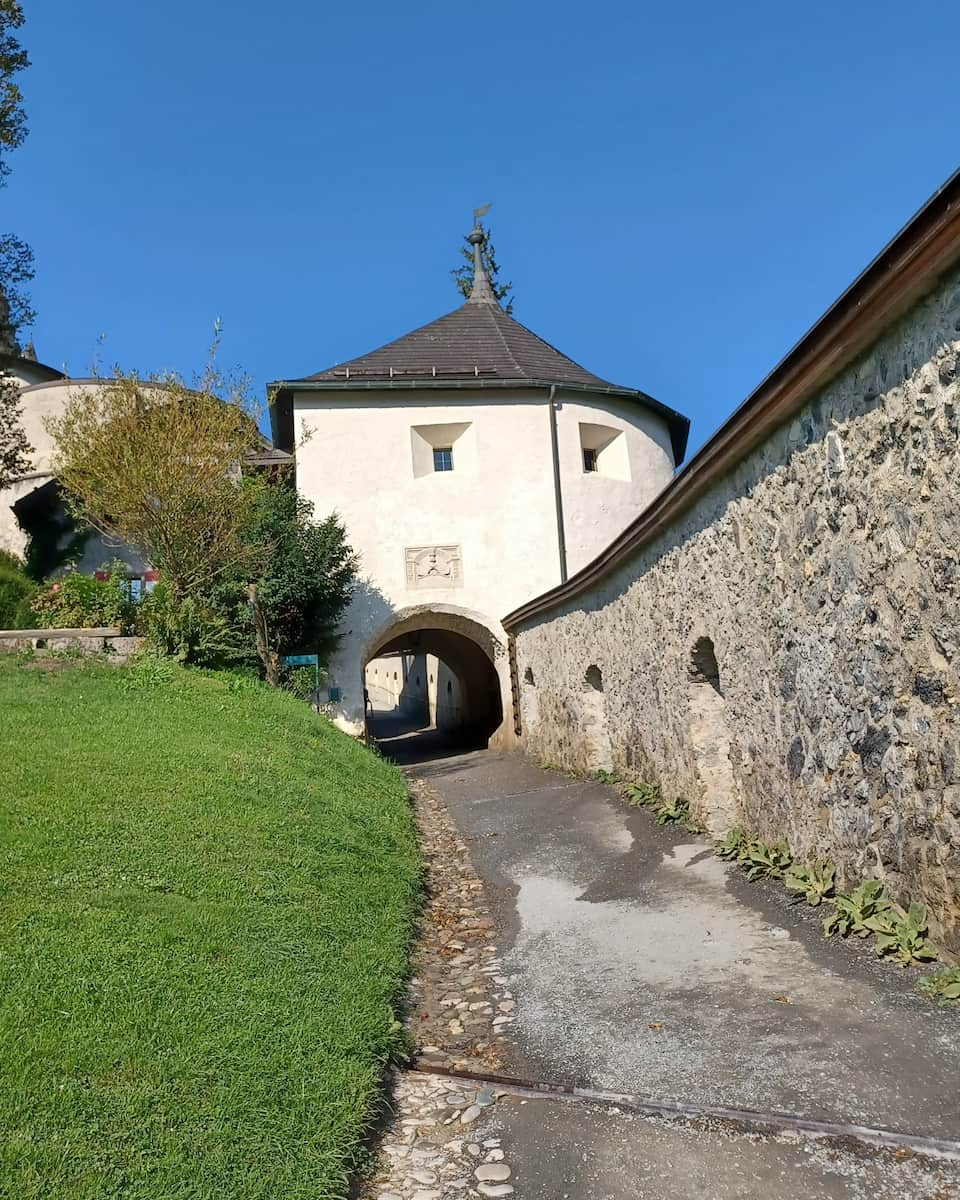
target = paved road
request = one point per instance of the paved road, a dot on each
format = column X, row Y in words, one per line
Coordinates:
column 560, row 1152
column 642, row 963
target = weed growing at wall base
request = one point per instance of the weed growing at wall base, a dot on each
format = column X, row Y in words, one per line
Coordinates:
column 667, row 812
column 731, row 845
column 677, row 812
column 641, row 795
column 943, row 986
column 853, row 913
column 899, row 935
column 760, row 861
column 608, row 777
column 814, row 882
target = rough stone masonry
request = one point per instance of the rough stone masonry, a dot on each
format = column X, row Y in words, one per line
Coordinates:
column 786, row 654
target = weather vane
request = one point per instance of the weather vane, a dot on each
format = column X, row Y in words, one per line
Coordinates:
column 480, row 212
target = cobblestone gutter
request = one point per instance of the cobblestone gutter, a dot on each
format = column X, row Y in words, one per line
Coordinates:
column 442, row 1141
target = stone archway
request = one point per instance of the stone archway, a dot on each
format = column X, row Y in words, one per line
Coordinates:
column 445, row 665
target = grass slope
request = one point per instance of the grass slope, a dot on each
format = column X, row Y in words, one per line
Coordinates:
column 207, row 897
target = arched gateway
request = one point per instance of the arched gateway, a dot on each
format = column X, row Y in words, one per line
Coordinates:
column 444, row 668
column 474, row 467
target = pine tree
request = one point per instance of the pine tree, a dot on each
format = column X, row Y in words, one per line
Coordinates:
column 463, row 275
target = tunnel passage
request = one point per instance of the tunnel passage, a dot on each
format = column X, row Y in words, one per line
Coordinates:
column 427, row 678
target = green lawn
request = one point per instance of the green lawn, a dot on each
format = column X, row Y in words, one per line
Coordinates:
column 206, row 898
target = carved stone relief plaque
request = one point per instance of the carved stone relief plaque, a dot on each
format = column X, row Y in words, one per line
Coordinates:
column 433, row 566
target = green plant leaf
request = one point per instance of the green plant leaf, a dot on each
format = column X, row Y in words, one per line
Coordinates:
column 942, row 985
column 642, row 795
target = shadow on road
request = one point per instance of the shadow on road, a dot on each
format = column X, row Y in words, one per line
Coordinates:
column 407, row 741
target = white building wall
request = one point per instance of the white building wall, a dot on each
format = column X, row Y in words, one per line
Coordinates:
column 40, row 402
column 492, row 520
column 418, row 686
column 448, row 704
column 397, row 683
column 596, row 505
column 497, row 505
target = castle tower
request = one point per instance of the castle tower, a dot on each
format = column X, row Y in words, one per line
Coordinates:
column 475, row 466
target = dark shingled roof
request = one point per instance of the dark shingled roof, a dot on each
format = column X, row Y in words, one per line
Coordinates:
column 476, row 339
column 476, row 345
column 269, row 456
column 481, row 343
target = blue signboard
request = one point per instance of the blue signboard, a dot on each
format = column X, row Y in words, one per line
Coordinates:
column 299, row 660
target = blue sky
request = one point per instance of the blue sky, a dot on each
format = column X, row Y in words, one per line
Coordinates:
column 679, row 189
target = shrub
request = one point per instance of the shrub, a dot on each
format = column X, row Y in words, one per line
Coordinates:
column 16, row 594
column 80, row 601
column 301, row 681
column 149, row 670
column 11, row 561
column 192, row 630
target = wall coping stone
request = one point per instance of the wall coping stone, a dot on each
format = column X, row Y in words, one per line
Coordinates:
column 105, row 631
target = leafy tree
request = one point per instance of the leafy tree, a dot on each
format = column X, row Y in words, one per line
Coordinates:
column 304, row 587
column 463, row 275
column 16, row 269
column 15, row 450
column 13, row 59
column 158, row 465
column 16, row 257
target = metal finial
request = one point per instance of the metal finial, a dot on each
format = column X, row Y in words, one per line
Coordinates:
column 481, row 292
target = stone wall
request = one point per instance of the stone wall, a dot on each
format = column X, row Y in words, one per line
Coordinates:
column 786, row 654
column 105, row 640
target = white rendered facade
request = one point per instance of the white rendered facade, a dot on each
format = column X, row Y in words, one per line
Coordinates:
column 43, row 395
column 475, row 541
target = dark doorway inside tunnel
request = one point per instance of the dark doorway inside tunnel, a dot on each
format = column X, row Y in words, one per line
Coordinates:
column 432, row 691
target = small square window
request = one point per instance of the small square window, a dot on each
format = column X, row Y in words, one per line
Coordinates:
column 589, row 459
column 443, row 458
